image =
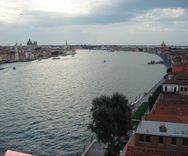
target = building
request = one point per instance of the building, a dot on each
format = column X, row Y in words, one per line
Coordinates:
column 177, row 80
column 164, row 130
column 170, row 108
column 180, row 68
column 156, row 138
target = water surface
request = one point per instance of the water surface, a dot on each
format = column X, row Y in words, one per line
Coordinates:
column 44, row 105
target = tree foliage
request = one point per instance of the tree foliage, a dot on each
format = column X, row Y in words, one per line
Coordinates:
column 111, row 116
column 169, row 70
column 154, row 97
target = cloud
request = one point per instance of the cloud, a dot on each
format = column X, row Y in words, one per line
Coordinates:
column 93, row 20
column 164, row 14
column 61, row 12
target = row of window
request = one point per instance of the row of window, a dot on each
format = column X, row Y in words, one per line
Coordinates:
column 183, row 89
column 147, row 138
column 166, row 89
column 175, row 89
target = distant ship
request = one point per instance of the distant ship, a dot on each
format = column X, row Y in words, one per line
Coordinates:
column 156, row 62
column 56, row 58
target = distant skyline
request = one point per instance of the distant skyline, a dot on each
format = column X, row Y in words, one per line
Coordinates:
column 147, row 22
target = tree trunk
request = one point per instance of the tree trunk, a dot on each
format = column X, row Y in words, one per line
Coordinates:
column 108, row 148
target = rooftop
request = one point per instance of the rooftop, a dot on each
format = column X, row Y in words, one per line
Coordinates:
column 181, row 76
column 170, row 108
column 174, row 81
column 176, row 99
column 160, row 128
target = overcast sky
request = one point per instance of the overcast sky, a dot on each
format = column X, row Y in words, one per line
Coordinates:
column 94, row 21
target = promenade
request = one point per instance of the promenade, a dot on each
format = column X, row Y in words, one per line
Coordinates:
column 94, row 149
column 145, row 97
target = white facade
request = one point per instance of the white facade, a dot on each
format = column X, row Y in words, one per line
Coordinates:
column 17, row 56
column 175, row 88
column 172, row 88
column 29, row 55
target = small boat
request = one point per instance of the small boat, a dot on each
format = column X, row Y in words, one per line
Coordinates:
column 14, row 68
column 1, row 68
column 104, row 61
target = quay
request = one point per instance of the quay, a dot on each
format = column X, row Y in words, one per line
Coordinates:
column 94, row 149
column 145, row 97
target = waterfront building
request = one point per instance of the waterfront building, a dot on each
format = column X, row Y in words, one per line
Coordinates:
column 169, row 108
column 16, row 52
column 177, row 80
column 156, row 138
column 164, row 130
column 180, row 68
column 176, row 86
column 7, row 56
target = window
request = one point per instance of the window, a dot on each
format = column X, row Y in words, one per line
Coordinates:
column 165, row 88
column 173, row 141
column 147, row 138
column 174, row 89
column 141, row 138
column 162, row 128
column 185, row 142
column 185, row 89
column 161, row 141
column 181, row 89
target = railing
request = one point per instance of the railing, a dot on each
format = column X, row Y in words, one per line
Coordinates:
column 87, row 149
column 145, row 97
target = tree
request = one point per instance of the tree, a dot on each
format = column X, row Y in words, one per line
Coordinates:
column 152, row 99
column 111, row 117
column 169, row 70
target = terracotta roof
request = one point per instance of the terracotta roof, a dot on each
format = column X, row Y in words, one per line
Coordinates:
column 172, row 99
column 170, row 108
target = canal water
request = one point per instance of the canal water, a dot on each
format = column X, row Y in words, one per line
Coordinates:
column 45, row 105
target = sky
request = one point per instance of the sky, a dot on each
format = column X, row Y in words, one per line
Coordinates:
column 121, row 22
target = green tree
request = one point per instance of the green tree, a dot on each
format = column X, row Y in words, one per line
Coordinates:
column 169, row 70
column 111, row 118
column 152, row 99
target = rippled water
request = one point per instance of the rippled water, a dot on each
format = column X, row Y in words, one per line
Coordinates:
column 44, row 106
